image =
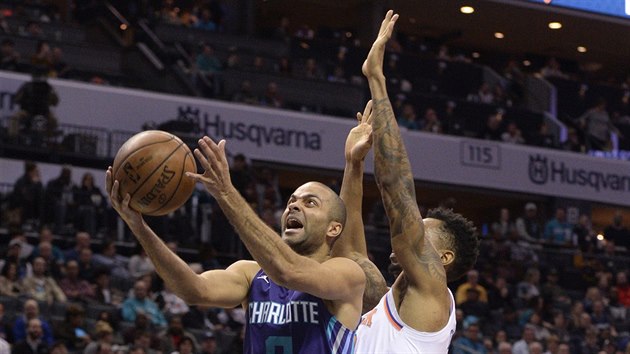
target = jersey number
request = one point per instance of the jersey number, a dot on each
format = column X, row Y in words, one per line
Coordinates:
column 279, row 345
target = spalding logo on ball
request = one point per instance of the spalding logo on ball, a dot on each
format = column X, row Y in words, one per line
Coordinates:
column 151, row 167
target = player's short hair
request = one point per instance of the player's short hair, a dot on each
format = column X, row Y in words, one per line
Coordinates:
column 461, row 235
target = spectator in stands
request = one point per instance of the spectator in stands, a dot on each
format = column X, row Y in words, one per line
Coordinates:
column 259, row 64
column 472, row 282
column 33, row 29
column 86, row 265
column 529, row 287
column 272, row 96
column 408, row 117
column 535, row 348
column 59, row 67
column 240, row 173
column 528, row 226
column 139, row 302
column 186, row 346
column 14, row 255
column 623, row 289
column 283, row 31
column 9, row 57
column 552, row 292
column 103, row 292
column 82, row 240
column 543, row 137
column 245, row 94
column 140, row 264
column 521, row 251
column 583, row 235
column 171, row 304
column 431, row 122
column 41, row 287
column 10, row 284
column 597, row 127
column 304, row 32
column 311, row 70
column 6, row 331
column 515, row 80
column 60, row 199
column 558, row 230
column 617, row 232
column 512, row 134
column 483, row 95
column 505, row 225
column 46, row 235
column 75, row 288
column 470, row 342
column 472, row 306
column 208, row 343
column 103, row 338
column 91, row 205
column 206, row 22
column 552, row 69
column 233, row 60
column 522, row 346
column 492, row 129
column 33, row 342
column 173, row 335
column 283, row 66
column 22, row 322
column 72, row 331
column 26, row 200
column 573, row 142
column 268, row 188
column 338, row 75
column 35, row 119
column 54, row 266
column 210, row 67
column 108, row 258
column 42, row 59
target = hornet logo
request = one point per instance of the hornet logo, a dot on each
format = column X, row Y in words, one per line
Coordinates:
column 538, row 169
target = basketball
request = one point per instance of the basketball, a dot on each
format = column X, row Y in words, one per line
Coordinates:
column 151, row 167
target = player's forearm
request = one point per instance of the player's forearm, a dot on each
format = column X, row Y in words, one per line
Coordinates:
column 176, row 274
column 353, row 238
column 275, row 257
column 393, row 171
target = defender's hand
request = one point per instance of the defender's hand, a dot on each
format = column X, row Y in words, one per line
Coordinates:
column 373, row 65
column 359, row 140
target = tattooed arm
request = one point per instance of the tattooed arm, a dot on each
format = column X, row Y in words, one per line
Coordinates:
column 351, row 244
column 417, row 256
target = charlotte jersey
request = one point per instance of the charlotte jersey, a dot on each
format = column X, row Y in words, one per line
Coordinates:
column 383, row 332
column 283, row 321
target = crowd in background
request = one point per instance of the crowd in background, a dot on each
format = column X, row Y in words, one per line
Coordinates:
column 541, row 281
column 592, row 119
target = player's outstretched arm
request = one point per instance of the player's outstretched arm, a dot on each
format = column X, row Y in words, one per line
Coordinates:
column 352, row 243
column 185, row 283
column 420, row 261
column 335, row 279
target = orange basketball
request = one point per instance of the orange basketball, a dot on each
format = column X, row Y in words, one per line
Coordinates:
column 151, row 167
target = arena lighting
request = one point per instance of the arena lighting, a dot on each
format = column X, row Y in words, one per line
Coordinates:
column 555, row 25
column 123, row 26
column 467, row 9
column 499, row 35
column 600, row 237
column 527, row 63
column 581, row 49
column 476, row 55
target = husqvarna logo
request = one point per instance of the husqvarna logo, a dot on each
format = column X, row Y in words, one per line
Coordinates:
column 538, row 169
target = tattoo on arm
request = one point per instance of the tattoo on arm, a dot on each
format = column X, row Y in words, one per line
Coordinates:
column 375, row 286
column 430, row 260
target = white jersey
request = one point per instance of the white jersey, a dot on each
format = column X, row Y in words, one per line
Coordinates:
column 383, row 332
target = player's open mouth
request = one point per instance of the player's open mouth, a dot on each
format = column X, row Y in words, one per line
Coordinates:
column 293, row 224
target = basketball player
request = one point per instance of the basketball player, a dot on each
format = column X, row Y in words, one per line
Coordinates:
column 417, row 315
column 297, row 297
